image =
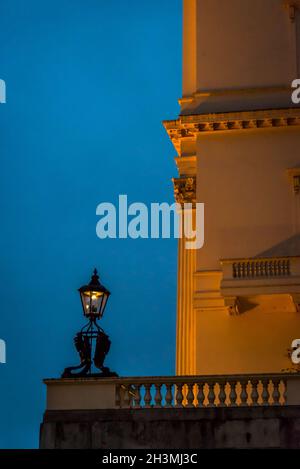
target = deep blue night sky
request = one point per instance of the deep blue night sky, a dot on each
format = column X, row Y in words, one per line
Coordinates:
column 88, row 84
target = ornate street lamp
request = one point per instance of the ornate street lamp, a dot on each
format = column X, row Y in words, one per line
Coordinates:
column 94, row 297
column 92, row 338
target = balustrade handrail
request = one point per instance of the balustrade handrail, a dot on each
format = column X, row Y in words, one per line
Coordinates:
column 196, row 378
column 263, row 259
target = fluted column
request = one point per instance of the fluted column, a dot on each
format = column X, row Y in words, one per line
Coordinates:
column 185, row 192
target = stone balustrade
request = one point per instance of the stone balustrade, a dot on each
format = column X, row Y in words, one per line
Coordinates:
column 248, row 277
column 174, row 392
column 198, row 391
column 261, row 268
column 260, row 276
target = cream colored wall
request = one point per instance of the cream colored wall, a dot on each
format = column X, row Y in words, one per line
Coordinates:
column 249, row 201
column 250, row 208
column 239, row 55
column 189, row 47
column 253, row 342
column 249, row 45
column 240, row 44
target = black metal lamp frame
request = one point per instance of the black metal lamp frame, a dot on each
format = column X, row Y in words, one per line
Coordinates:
column 91, row 337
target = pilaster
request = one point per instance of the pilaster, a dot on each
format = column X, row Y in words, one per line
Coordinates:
column 185, row 192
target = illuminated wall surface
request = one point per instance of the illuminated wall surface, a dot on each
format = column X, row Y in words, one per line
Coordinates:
column 238, row 137
column 88, row 84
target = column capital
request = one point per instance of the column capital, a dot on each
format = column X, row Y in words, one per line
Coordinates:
column 185, row 189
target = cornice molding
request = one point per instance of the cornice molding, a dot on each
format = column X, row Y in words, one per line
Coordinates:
column 188, row 127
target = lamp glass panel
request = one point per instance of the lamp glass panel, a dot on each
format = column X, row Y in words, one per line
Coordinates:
column 92, row 302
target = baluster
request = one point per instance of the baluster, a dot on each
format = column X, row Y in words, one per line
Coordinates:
column 222, row 394
column 137, row 396
column 179, row 395
column 288, row 267
column 265, row 395
column 247, row 269
column 254, row 393
column 252, row 269
column 169, row 395
column 232, row 394
column 284, row 393
column 126, row 396
column 158, row 396
column 148, row 397
column 190, row 395
column 258, row 268
column 276, row 394
column 118, row 396
column 200, row 395
column 211, row 395
column 265, row 269
column 239, row 269
column 283, row 266
column 234, row 273
column 276, row 268
column 244, row 393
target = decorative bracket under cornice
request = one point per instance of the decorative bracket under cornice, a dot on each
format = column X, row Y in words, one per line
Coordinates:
column 232, row 304
column 295, row 297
